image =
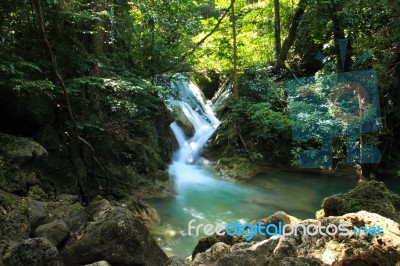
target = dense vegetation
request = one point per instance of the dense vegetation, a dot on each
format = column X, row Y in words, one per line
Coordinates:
column 109, row 55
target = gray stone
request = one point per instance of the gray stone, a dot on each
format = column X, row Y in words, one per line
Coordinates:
column 56, row 232
column 177, row 261
column 19, row 150
column 32, row 251
column 37, row 214
column 211, row 255
column 318, row 249
column 102, row 232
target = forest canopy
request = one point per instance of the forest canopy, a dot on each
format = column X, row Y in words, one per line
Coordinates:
column 109, row 46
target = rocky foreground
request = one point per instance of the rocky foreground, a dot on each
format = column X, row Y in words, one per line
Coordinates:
column 39, row 226
column 307, row 250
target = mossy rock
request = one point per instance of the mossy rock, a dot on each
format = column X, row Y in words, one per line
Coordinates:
column 371, row 196
column 236, row 167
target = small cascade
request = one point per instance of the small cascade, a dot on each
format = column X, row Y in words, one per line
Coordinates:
column 199, row 113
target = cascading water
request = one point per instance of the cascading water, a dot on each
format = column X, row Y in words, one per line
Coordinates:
column 202, row 195
column 201, row 116
column 202, row 119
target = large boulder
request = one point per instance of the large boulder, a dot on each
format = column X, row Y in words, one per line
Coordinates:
column 18, row 156
column 102, row 232
column 56, row 232
column 372, row 196
column 32, row 251
column 328, row 249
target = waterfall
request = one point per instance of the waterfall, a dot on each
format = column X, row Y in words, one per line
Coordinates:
column 199, row 113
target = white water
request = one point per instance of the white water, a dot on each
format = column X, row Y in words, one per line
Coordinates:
column 202, row 195
column 203, row 120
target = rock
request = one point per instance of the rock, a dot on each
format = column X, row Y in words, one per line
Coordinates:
column 237, row 167
column 211, row 255
column 102, row 232
column 68, row 197
column 177, row 261
column 36, row 192
column 18, row 156
column 371, row 196
column 207, row 242
column 141, row 210
column 99, row 263
column 276, row 218
column 19, row 150
column 56, row 232
column 32, row 251
column 336, row 250
column 14, row 225
column 37, row 214
column 162, row 176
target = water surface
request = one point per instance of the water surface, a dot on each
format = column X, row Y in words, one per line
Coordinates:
column 204, row 196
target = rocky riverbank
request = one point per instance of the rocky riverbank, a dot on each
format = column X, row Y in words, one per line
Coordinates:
column 350, row 208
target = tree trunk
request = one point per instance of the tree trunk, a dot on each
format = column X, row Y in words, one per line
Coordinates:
column 235, row 78
column 289, row 40
column 277, row 29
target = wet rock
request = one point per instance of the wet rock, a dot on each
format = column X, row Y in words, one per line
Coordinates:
column 102, row 232
column 56, row 232
column 32, row 251
column 236, row 167
column 372, row 196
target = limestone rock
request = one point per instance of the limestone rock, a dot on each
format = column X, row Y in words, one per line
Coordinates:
column 301, row 249
column 177, row 261
column 211, row 255
column 32, row 251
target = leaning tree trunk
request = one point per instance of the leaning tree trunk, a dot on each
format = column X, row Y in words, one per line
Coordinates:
column 235, row 78
column 290, row 38
column 277, row 32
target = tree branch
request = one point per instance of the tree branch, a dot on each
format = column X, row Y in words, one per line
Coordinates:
column 61, row 84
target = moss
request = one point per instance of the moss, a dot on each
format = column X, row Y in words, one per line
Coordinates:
column 236, row 167
column 370, row 196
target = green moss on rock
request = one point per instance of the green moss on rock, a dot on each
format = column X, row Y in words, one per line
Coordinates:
column 371, row 196
column 236, row 167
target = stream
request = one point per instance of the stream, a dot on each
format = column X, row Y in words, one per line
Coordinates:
column 203, row 195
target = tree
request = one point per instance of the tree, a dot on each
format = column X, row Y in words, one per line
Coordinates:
column 290, row 38
column 277, row 27
column 235, row 78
